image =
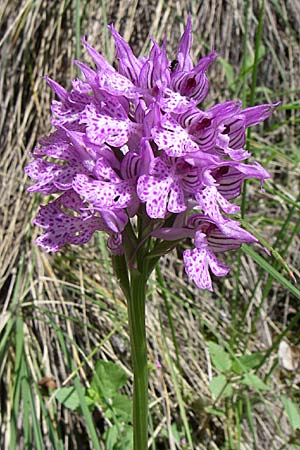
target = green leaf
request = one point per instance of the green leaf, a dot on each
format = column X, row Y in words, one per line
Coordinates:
column 219, row 387
column 220, row 358
column 111, row 437
column 118, row 437
column 108, row 378
column 127, row 438
column 245, row 363
column 122, row 408
column 292, row 411
column 94, row 396
column 254, row 381
column 68, row 397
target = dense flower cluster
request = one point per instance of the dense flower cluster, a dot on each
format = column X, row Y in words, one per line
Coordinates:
column 134, row 141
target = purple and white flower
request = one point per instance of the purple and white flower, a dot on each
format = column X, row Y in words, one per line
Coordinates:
column 136, row 141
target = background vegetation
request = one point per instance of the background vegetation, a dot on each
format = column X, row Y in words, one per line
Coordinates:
column 224, row 366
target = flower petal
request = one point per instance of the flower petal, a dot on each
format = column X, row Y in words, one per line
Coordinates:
column 196, row 267
column 184, row 60
column 129, row 65
column 103, row 194
column 259, row 113
column 210, row 199
column 230, row 177
column 116, row 84
column 173, row 139
column 62, row 228
column 51, row 177
column 103, row 128
column 175, row 102
column 198, row 260
column 99, row 60
column 155, row 192
column 176, row 203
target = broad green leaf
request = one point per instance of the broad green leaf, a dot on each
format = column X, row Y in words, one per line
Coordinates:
column 254, row 381
column 122, row 408
column 245, row 363
column 94, row 396
column 220, row 358
column 292, row 411
column 68, row 397
column 108, row 378
column 118, row 437
column 219, row 387
column 127, row 438
column 111, row 437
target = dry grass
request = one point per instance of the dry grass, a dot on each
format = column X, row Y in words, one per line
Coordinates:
column 73, row 291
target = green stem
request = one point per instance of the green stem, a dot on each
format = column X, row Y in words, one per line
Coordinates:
column 136, row 317
column 132, row 270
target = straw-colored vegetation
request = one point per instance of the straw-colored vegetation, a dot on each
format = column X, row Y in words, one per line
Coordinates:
column 61, row 313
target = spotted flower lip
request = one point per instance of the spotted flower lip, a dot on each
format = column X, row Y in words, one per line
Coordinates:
column 198, row 261
column 161, row 190
column 76, row 228
column 135, row 140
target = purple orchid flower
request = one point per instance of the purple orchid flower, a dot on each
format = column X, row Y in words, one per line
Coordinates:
column 210, row 236
column 63, row 228
column 133, row 141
